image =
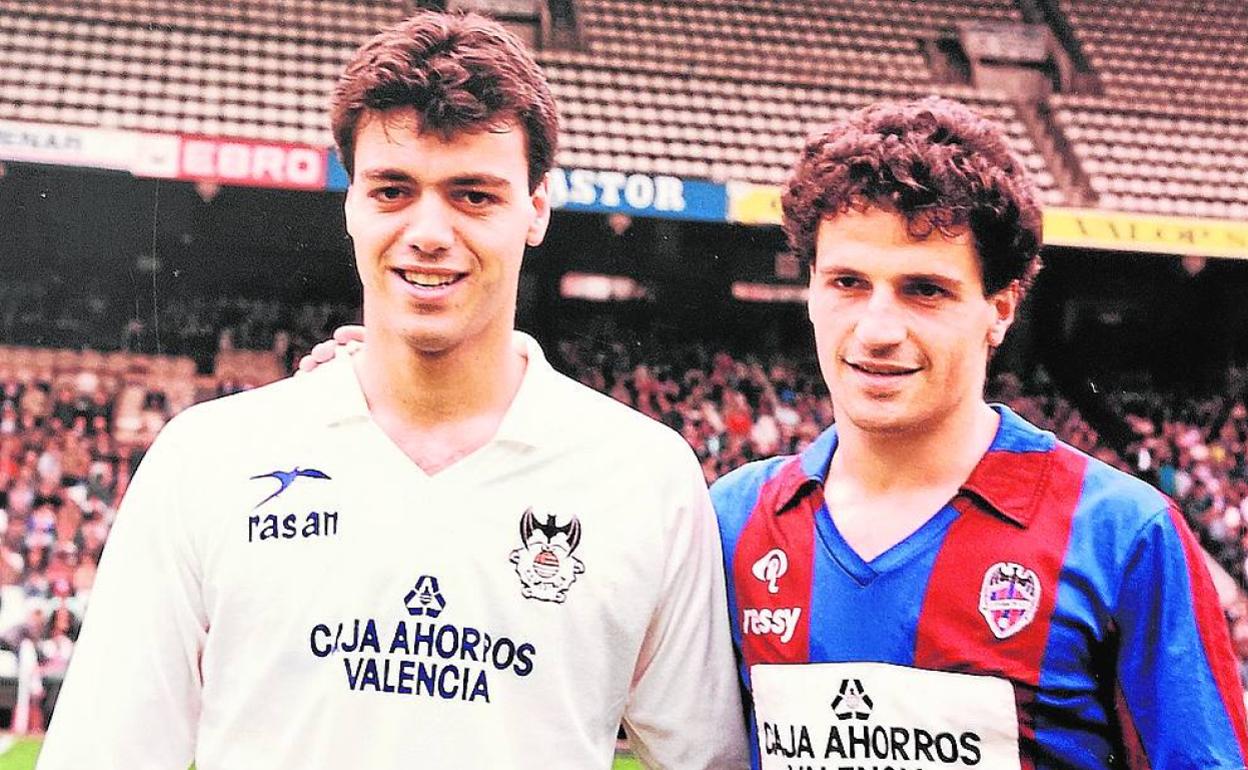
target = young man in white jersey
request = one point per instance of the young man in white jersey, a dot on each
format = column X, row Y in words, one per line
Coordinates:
column 438, row 552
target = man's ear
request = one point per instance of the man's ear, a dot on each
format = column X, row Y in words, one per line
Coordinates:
column 347, row 206
column 1004, row 308
column 541, row 212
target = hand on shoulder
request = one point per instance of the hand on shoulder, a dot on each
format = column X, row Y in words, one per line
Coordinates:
column 346, row 339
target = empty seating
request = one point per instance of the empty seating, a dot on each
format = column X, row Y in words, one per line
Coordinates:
column 172, row 65
column 695, row 88
column 728, row 90
column 1168, row 134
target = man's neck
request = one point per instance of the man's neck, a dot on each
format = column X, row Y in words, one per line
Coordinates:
column 418, row 391
column 942, row 455
column 883, row 487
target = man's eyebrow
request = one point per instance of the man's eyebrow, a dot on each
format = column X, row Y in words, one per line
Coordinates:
column 478, row 180
column 940, row 278
column 835, row 269
column 473, row 179
column 386, row 175
column 832, row 267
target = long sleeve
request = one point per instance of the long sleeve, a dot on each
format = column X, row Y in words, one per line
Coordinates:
column 1179, row 700
column 684, row 712
column 131, row 698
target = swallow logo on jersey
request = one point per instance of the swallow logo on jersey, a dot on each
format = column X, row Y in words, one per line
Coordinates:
column 544, row 560
column 771, row 568
column 286, row 478
column 1009, row 598
column 425, row 598
column 852, row 700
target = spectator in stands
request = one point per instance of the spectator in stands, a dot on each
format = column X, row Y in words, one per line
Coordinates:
column 447, row 130
column 922, row 233
column 1195, row 454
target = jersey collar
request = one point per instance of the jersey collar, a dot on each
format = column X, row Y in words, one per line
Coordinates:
column 1010, row 478
column 527, row 420
column 535, row 408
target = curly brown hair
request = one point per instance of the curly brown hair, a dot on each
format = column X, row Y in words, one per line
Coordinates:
column 938, row 164
column 460, row 72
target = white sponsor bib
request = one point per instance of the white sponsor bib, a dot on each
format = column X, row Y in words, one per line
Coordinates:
column 835, row 716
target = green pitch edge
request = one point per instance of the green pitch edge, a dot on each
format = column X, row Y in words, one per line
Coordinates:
column 21, row 756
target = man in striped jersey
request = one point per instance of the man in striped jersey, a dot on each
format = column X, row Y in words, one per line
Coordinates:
column 934, row 582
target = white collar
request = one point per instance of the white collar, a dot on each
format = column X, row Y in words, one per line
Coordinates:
column 528, row 419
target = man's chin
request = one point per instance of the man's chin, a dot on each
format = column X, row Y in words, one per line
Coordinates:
column 431, row 342
column 883, row 419
column 884, row 427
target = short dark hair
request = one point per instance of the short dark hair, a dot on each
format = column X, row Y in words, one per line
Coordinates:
column 935, row 162
column 460, row 72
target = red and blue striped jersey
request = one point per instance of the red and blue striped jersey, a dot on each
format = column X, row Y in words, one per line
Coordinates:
column 1055, row 614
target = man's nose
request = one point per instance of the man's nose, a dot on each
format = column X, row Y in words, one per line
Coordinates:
column 882, row 323
column 429, row 229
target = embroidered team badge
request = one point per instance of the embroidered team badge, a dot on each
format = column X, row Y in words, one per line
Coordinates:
column 1009, row 598
column 544, row 560
column 771, row 568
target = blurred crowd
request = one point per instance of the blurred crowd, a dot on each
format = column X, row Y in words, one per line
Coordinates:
column 50, row 315
column 73, row 429
column 200, row 327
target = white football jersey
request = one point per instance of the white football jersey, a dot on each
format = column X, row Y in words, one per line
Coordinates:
column 285, row 589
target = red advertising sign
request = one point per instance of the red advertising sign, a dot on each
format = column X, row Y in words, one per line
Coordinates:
column 251, row 163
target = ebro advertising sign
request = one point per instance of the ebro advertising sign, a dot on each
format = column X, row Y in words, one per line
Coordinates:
column 249, row 163
column 227, row 161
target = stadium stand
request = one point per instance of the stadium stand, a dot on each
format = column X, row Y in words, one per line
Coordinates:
column 73, row 426
column 723, row 90
column 1167, row 134
column 234, row 69
column 689, row 89
column 200, row 328
column 706, row 89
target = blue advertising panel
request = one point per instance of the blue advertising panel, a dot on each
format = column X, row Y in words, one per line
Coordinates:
column 336, row 178
column 642, row 195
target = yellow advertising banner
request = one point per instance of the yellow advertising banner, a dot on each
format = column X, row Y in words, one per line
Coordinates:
column 753, row 204
column 1118, row 231
column 1086, row 228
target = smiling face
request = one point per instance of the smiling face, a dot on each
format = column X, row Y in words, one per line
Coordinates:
column 902, row 326
column 440, row 226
